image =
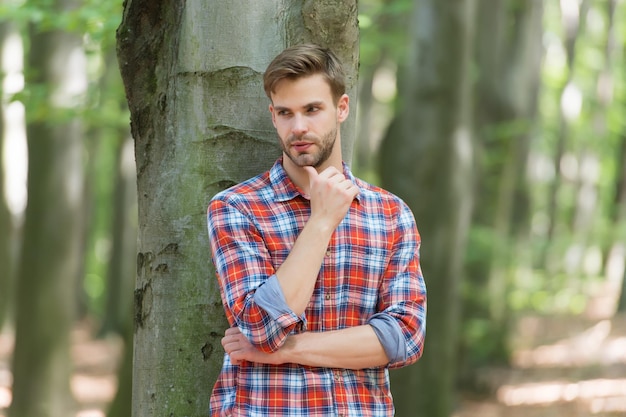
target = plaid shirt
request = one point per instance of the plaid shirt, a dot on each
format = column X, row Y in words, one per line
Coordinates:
column 371, row 274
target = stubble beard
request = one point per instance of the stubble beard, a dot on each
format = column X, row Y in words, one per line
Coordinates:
column 325, row 149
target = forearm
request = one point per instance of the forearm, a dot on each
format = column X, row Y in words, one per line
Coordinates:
column 350, row 348
column 298, row 273
column 331, row 195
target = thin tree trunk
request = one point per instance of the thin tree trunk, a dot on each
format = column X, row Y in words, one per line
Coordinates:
column 617, row 255
column 122, row 404
column 51, row 254
column 427, row 159
column 6, row 221
column 573, row 24
column 363, row 148
column 509, row 52
column 371, row 117
column 118, row 316
column 121, row 266
column 192, row 72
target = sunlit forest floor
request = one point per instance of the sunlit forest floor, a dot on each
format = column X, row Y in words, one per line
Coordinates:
column 568, row 367
column 95, row 363
column 562, row 366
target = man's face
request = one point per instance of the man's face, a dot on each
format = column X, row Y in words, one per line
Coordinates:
column 307, row 120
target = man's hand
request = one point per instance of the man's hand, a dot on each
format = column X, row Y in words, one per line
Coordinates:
column 240, row 349
column 331, row 195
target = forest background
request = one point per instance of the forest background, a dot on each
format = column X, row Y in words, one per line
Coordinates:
column 501, row 123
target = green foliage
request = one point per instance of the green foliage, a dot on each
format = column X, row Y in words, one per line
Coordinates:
column 94, row 19
column 383, row 26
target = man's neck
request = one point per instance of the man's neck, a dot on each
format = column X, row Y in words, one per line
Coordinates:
column 300, row 177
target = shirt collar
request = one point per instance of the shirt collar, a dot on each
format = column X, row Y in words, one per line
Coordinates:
column 285, row 189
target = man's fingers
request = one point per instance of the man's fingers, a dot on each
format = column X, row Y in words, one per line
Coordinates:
column 312, row 172
column 329, row 174
column 232, row 344
column 231, row 335
column 232, row 331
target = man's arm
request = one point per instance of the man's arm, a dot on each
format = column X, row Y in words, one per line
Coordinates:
column 399, row 327
column 350, row 348
column 245, row 271
column 331, row 195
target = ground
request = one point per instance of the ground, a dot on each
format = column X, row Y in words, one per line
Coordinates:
column 94, row 381
column 562, row 366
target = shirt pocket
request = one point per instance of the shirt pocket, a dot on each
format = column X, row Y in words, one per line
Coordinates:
column 361, row 277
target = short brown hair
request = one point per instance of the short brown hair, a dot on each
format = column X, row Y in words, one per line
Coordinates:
column 302, row 61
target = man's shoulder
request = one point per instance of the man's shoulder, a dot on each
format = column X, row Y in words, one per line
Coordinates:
column 382, row 202
column 377, row 193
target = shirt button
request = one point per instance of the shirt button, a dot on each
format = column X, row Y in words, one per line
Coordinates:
column 327, row 297
column 328, row 253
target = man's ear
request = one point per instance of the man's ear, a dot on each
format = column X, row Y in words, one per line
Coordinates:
column 343, row 108
column 271, row 108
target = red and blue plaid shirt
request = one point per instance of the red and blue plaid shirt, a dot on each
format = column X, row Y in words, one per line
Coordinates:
column 370, row 275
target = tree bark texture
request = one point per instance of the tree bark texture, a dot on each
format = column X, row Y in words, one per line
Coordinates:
column 427, row 159
column 51, row 255
column 199, row 117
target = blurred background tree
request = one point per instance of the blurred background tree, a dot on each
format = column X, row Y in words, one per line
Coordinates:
column 499, row 121
column 427, row 158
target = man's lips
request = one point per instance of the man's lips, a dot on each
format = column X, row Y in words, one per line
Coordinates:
column 301, row 146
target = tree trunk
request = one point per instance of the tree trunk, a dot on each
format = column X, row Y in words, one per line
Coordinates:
column 51, row 253
column 618, row 252
column 509, row 52
column 121, row 266
column 121, row 273
column 6, row 221
column 427, row 159
column 573, row 24
column 193, row 77
column 382, row 43
column 122, row 404
column 618, row 216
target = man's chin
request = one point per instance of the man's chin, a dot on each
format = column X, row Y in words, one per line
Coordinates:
column 305, row 160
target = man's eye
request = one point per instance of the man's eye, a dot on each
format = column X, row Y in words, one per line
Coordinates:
column 313, row 109
column 283, row 112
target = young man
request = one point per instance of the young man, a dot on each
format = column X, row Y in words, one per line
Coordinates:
column 319, row 271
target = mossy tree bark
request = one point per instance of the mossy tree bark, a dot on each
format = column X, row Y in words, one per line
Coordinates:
column 199, row 117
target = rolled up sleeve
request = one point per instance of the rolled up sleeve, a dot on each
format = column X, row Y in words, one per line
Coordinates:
column 243, row 268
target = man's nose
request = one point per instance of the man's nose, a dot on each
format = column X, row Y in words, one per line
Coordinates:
column 299, row 125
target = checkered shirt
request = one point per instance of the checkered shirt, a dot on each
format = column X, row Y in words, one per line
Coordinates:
column 371, row 268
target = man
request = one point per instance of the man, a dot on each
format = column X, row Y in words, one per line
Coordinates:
column 319, row 271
